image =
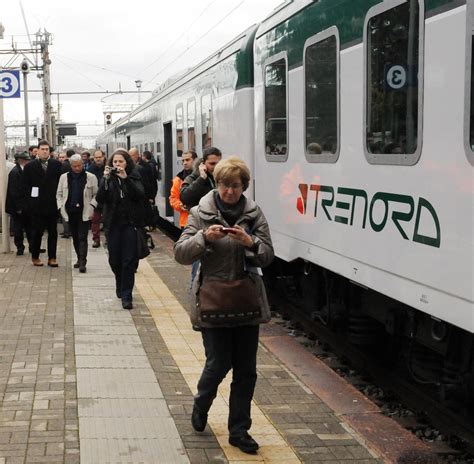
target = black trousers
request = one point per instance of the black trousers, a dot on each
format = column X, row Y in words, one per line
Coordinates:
column 20, row 224
column 79, row 230
column 38, row 225
column 230, row 348
column 123, row 259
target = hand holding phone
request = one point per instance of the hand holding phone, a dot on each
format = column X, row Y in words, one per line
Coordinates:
column 203, row 171
column 228, row 230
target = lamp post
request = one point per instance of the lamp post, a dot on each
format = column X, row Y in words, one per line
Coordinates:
column 25, row 69
column 138, row 83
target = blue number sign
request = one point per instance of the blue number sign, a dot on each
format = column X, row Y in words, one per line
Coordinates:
column 10, row 84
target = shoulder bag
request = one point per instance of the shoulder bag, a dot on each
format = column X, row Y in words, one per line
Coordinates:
column 221, row 302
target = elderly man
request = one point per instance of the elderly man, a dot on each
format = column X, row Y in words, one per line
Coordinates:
column 39, row 184
column 76, row 200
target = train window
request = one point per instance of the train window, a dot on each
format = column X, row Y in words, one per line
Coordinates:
column 152, row 147
column 179, row 130
column 393, row 87
column 206, row 120
column 146, row 146
column 321, row 65
column 276, row 119
column 158, row 147
column 469, row 119
column 192, row 124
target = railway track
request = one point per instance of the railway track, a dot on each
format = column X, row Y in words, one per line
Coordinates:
column 448, row 431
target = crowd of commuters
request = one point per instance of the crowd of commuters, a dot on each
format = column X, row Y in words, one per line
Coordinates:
column 224, row 236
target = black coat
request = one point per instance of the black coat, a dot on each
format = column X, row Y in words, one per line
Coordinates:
column 149, row 179
column 108, row 197
column 15, row 200
column 46, row 182
column 98, row 171
column 194, row 188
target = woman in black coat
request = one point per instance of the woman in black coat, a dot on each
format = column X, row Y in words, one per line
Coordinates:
column 121, row 195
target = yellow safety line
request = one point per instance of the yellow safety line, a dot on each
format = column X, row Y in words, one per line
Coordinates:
column 185, row 345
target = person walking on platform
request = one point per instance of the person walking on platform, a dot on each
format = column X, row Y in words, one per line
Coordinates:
column 39, row 183
column 33, row 151
column 121, row 195
column 230, row 236
column 15, row 204
column 175, row 201
column 201, row 180
column 97, row 168
column 76, row 197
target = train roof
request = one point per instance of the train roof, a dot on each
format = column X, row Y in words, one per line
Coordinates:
column 241, row 43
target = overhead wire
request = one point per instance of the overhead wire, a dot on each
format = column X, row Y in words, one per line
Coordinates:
column 168, row 47
column 196, row 41
column 94, row 66
column 83, row 75
column 26, row 23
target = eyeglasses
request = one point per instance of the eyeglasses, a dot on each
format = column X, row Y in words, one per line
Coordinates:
column 226, row 186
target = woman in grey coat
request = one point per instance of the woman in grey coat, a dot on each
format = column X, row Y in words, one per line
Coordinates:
column 229, row 235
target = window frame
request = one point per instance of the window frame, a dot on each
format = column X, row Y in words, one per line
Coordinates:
column 402, row 159
column 209, row 92
column 468, row 81
column 315, row 39
column 179, row 105
column 192, row 100
column 273, row 59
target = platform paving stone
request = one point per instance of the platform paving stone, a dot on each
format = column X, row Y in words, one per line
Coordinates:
column 84, row 381
column 38, row 402
column 305, row 424
column 122, row 413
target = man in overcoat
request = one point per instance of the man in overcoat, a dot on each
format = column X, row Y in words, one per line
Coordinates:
column 39, row 183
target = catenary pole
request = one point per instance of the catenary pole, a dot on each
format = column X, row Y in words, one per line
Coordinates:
column 3, row 184
column 25, row 98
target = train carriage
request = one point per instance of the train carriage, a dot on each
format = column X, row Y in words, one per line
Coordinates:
column 356, row 119
column 201, row 108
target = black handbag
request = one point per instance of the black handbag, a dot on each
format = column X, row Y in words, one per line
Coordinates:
column 223, row 301
column 142, row 247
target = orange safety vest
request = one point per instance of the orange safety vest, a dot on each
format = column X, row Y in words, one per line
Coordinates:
column 176, row 203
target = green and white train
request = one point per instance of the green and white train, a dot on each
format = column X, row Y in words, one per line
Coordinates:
column 356, row 119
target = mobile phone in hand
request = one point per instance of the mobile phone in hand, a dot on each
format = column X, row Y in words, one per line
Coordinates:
column 228, row 230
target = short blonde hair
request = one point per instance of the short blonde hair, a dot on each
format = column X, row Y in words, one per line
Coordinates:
column 230, row 168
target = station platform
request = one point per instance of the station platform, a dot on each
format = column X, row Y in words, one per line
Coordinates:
column 84, row 381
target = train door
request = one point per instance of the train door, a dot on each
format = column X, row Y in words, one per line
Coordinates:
column 129, row 144
column 167, row 175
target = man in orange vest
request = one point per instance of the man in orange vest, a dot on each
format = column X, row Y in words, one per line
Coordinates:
column 187, row 160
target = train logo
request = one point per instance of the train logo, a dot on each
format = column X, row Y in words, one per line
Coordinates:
column 349, row 206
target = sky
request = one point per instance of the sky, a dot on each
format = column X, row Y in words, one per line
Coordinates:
column 107, row 45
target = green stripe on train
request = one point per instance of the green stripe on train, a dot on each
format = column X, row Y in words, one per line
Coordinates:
column 347, row 15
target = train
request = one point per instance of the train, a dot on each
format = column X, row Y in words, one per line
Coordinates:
column 357, row 121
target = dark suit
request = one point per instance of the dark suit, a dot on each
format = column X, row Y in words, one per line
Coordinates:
column 42, row 208
column 15, row 206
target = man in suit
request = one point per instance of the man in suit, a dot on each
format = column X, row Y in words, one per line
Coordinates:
column 40, row 181
column 15, row 203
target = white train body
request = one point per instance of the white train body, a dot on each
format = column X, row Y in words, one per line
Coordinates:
column 400, row 224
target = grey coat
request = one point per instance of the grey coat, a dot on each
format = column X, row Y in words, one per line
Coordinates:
column 225, row 259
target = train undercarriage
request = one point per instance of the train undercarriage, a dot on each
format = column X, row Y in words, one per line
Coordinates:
column 430, row 351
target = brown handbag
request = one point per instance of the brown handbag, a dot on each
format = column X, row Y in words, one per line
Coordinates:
column 227, row 301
